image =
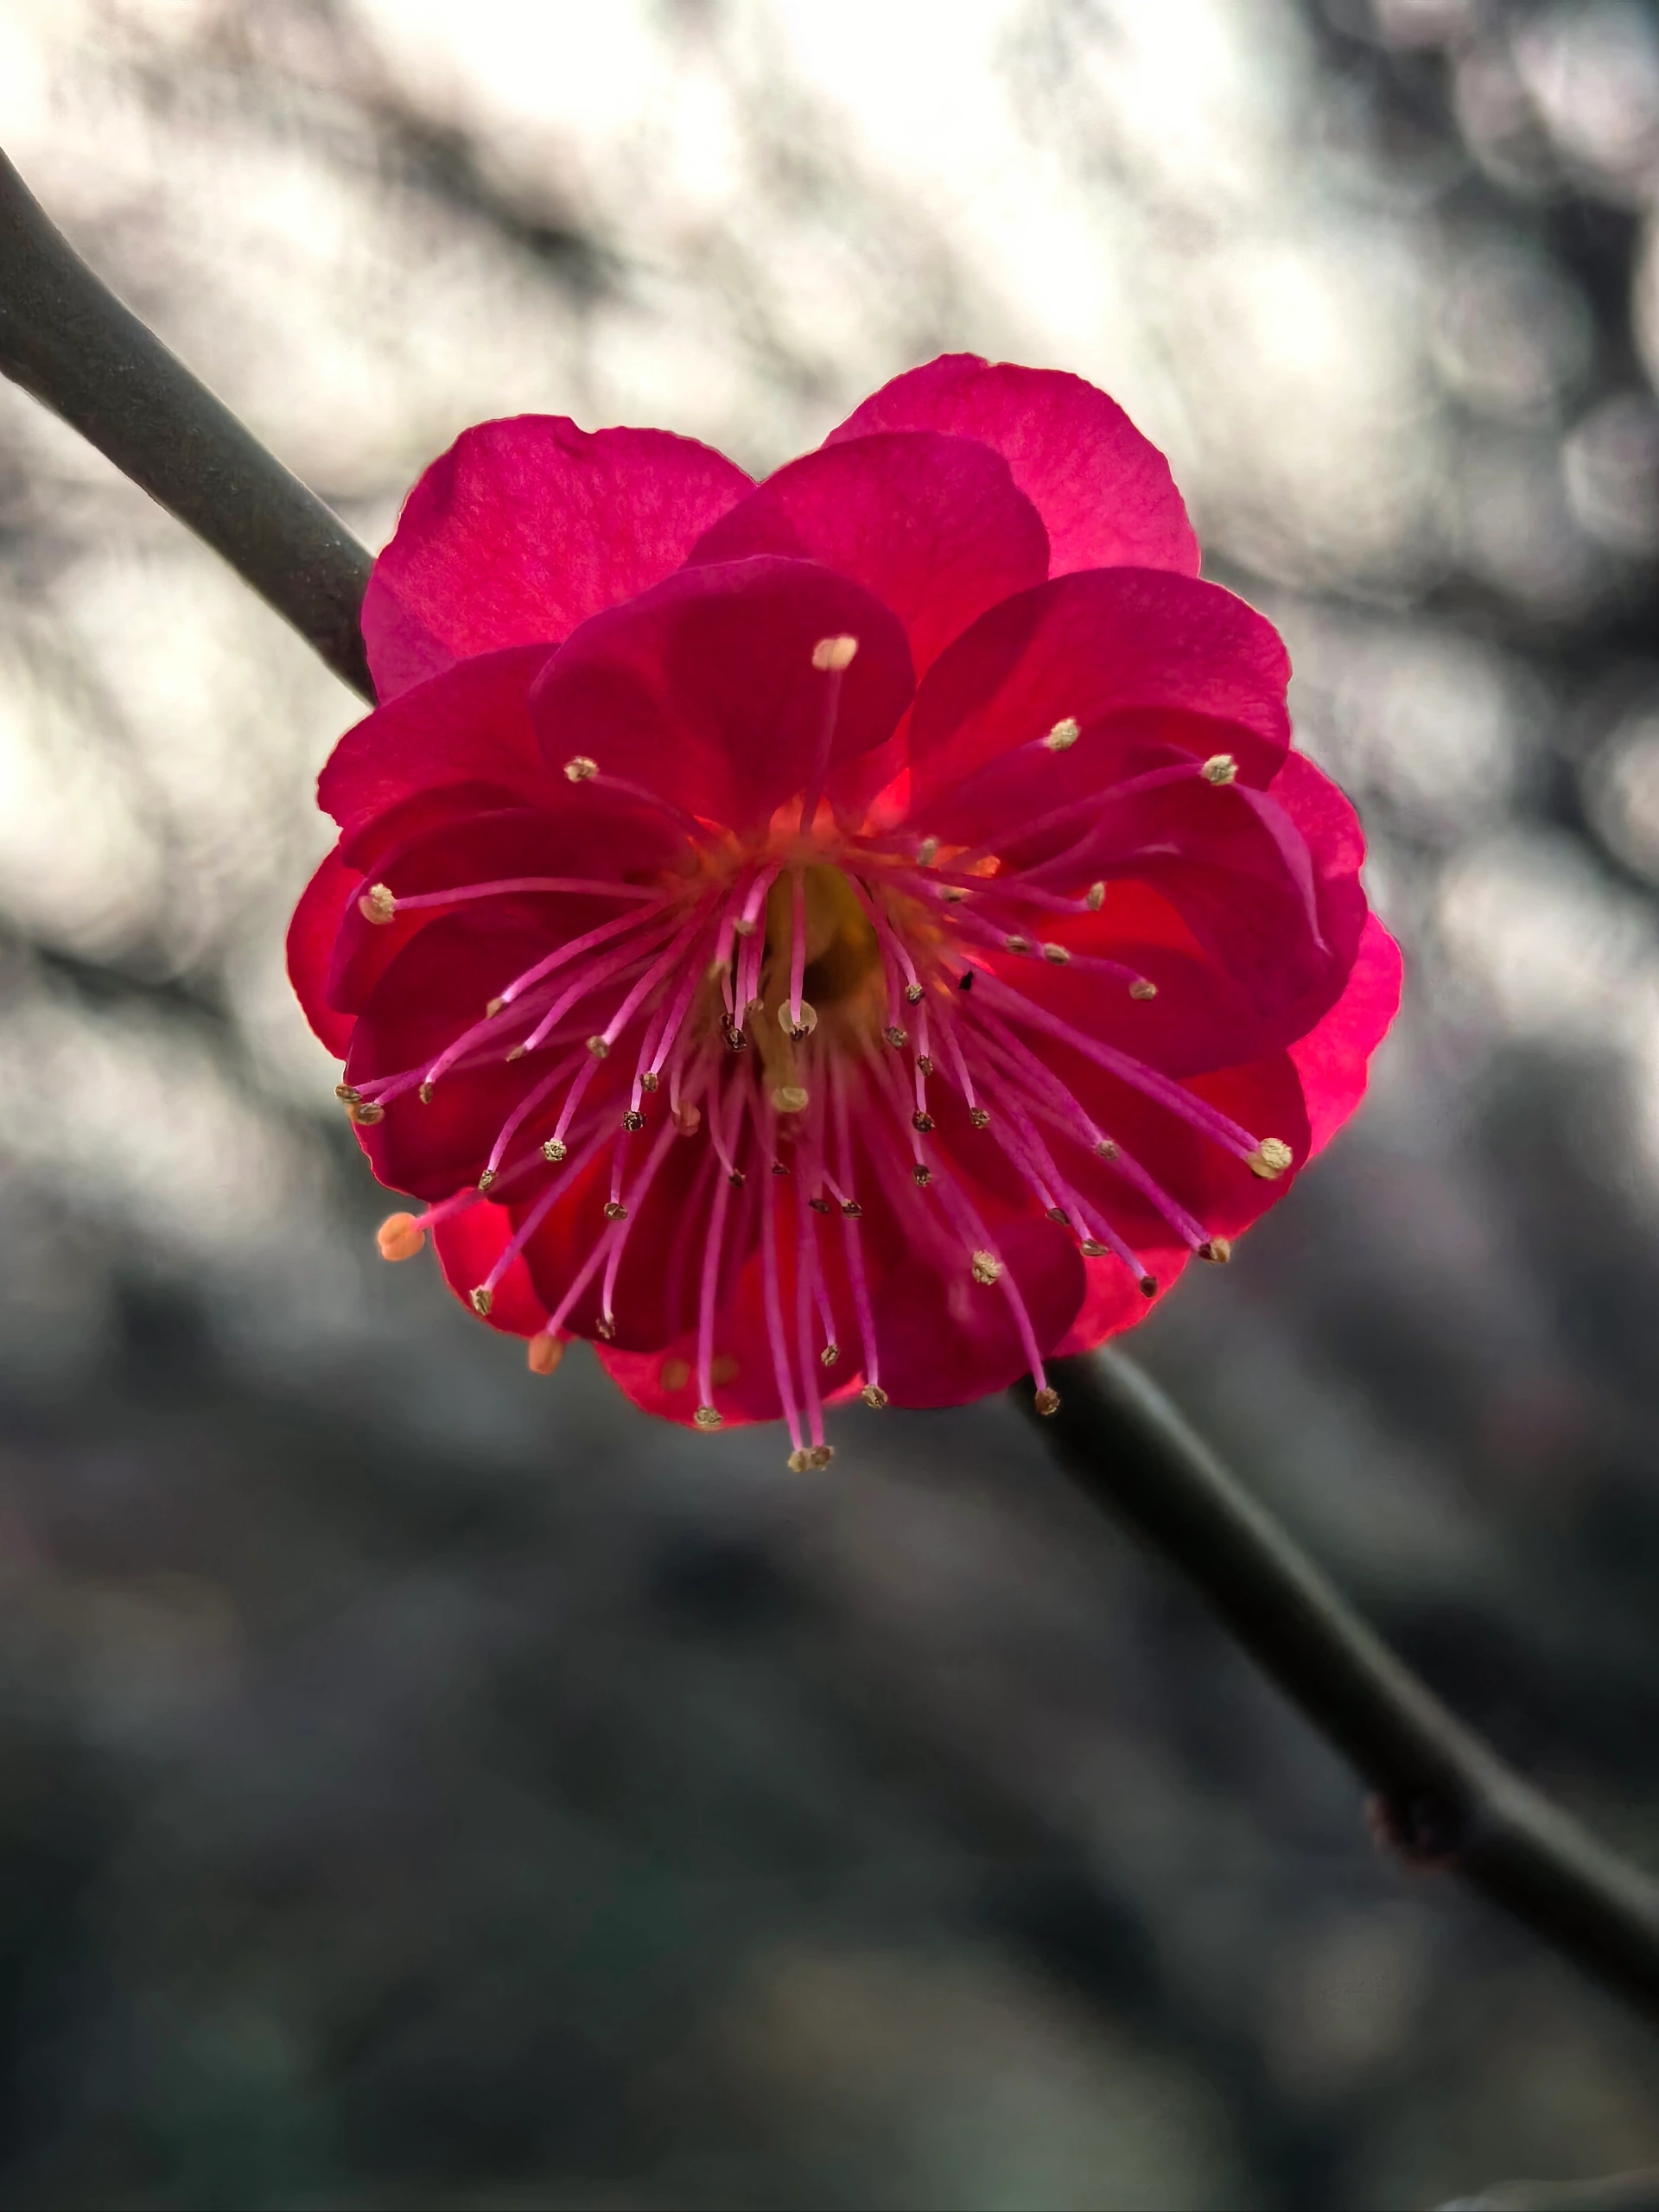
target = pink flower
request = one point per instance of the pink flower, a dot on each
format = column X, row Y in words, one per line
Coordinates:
column 865, row 930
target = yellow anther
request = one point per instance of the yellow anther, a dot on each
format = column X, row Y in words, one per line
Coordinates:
column 1106, row 1149
column 804, row 1026
column 400, row 1236
column 913, row 994
column 347, row 1096
column 649, row 1080
column 517, row 1053
column 924, row 1065
column 833, row 654
column 851, row 1210
column 820, row 1456
column 493, row 1008
column 1270, row 1158
column 424, row 1094
column 1063, row 735
column 988, row 1268
column 599, row 1046
column 615, row 1210
column 1095, row 897
column 798, row 1460
column 554, row 1150
column 1046, row 1402
column 543, row 1354
column 790, row 1097
column 633, row 1122
column 1057, row 953
column 487, row 1179
column 830, row 1355
column 921, row 1175
column 1217, row 1250
column 979, row 1116
column 1018, row 943
column 1220, row 768
column 896, row 1037
column 365, row 1113
column 1140, row 989
column 922, row 1122
column 606, row 1326
column 708, row 1417
column 1093, row 1250
column 377, row 906
column 873, row 1394
column 927, row 852
column 481, row 1302
column 579, row 769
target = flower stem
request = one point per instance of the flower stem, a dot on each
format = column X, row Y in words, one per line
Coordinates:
column 1444, row 1799
column 66, row 339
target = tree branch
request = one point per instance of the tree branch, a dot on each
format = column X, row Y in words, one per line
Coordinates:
column 1444, row 1798
column 66, row 337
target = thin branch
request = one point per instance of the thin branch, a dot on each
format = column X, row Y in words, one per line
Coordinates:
column 66, row 337
column 1444, row 1798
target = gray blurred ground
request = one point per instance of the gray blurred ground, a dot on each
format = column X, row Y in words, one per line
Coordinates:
column 423, row 1786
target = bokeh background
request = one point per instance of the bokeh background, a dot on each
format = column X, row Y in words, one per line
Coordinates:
column 423, row 1786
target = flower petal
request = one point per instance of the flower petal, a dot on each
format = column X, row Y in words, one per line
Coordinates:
column 947, row 1339
column 311, row 936
column 705, row 691
column 1087, row 648
column 1333, row 1060
column 1104, row 493
column 468, row 1245
column 470, row 725
column 932, row 525
column 527, row 526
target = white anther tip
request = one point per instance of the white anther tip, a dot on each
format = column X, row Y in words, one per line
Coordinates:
column 1220, row 768
column 833, row 654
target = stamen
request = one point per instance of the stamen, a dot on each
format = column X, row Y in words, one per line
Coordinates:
column 508, row 885
column 987, row 1267
column 1270, row 1158
column 1063, row 735
column 400, row 1236
column 543, row 1354
column 1219, row 768
column 377, row 906
column 834, row 654
column 580, row 769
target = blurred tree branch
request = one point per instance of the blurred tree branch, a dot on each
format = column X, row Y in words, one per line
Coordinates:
column 1444, row 1797
column 66, row 337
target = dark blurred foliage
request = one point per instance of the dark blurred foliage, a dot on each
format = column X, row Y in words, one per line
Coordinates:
column 419, row 1786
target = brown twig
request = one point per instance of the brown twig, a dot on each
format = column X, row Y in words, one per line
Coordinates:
column 1444, row 1799
column 66, row 337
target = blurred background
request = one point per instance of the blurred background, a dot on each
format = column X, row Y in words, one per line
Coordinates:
column 424, row 1786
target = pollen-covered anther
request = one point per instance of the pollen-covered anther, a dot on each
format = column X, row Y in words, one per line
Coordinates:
column 831, row 655
column 779, row 1169
column 708, row 1417
column 1056, row 953
column 988, row 1268
column 599, row 1046
column 493, row 1008
column 377, row 906
column 633, row 1122
column 1059, row 1214
column 873, row 1394
column 1019, row 943
column 604, row 1327
column 1092, row 1249
column 1046, row 1402
column 736, row 1177
column 804, row 1026
column 1141, row 988
column 921, row 1175
column 554, row 1150
column 487, row 1179
column 922, row 1122
column 818, row 1205
column 1149, row 1286
column 798, row 1460
column 819, row 1456
column 1217, row 1250
column 1105, row 1149
column 893, row 1035
column 1270, row 1158
column 1095, row 897
column 852, row 1209
column 913, row 994
column 735, row 1040
column 649, row 1080
column 924, row 1065
column 1063, row 735
column 400, row 1236
column 480, row 1302
column 1220, row 768
column 365, row 1113
column 927, row 852
column 980, row 1116
column 830, row 1355
column 347, row 1094
column 615, row 1210
column 543, row 1353
column 579, row 769
column 424, row 1094
column 790, row 1097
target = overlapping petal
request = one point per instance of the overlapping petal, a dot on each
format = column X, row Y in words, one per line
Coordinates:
column 1104, row 492
column 526, row 527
